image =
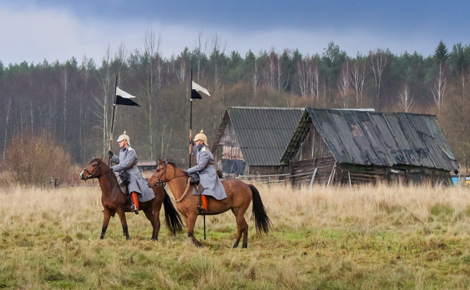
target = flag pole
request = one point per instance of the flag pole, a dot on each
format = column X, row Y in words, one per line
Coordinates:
column 112, row 120
column 190, row 134
column 190, row 118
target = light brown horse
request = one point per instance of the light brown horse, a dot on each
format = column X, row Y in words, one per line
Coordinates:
column 115, row 201
column 239, row 197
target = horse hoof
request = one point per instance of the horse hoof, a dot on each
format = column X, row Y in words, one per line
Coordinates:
column 235, row 246
column 244, row 246
column 128, row 238
column 101, row 237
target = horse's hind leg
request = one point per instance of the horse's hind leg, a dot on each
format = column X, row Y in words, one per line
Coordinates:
column 190, row 222
column 154, row 218
column 242, row 227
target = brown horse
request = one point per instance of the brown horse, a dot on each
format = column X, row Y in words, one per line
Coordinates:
column 115, row 201
column 239, row 197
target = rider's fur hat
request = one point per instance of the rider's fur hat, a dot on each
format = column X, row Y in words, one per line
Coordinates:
column 202, row 137
column 124, row 136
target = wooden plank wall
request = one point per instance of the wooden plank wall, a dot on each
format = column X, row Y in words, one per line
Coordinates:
column 302, row 171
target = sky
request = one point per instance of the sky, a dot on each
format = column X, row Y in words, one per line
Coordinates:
column 57, row 30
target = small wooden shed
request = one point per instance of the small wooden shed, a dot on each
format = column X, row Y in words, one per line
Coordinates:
column 353, row 147
column 252, row 140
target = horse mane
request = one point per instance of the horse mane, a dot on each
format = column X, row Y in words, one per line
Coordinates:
column 171, row 162
column 93, row 160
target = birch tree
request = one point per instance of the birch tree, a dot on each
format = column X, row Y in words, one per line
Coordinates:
column 253, row 71
column 271, row 69
column 439, row 87
column 406, row 101
column 378, row 61
column 358, row 77
column 440, row 83
column 344, row 83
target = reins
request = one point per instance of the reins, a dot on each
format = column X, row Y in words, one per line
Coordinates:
column 185, row 192
column 162, row 183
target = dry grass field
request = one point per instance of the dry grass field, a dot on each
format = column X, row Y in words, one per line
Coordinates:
column 327, row 238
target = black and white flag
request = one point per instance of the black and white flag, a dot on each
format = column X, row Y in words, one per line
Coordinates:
column 196, row 90
column 124, row 98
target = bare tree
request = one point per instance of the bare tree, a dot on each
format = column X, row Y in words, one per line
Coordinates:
column 217, row 52
column 303, row 77
column 253, row 71
column 271, row 69
column 344, row 83
column 199, row 52
column 64, row 80
column 378, row 61
column 358, row 77
column 151, row 58
column 406, row 101
column 308, row 78
column 180, row 66
column 105, row 80
column 439, row 87
column 7, row 120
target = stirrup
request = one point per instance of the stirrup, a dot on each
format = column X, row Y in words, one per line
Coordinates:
column 202, row 208
column 134, row 209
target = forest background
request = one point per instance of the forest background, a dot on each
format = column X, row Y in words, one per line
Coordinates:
column 71, row 103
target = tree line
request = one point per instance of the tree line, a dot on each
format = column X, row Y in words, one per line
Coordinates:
column 72, row 101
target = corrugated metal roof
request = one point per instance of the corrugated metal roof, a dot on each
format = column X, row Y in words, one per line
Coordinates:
column 381, row 139
column 263, row 133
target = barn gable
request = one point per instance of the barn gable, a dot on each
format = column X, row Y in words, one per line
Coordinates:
column 254, row 137
column 371, row 140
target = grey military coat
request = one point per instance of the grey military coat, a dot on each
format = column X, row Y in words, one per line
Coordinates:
column 207, row 173
column 127, row 161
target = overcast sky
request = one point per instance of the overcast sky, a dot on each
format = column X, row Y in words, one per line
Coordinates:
column 32, row 31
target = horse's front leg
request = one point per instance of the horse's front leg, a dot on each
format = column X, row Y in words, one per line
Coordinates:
column 106, row 216
column 191, row 222
column 122, row 217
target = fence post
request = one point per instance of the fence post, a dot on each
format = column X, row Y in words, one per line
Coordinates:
column 53, row 182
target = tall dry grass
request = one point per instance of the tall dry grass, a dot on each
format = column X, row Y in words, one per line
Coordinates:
column 337, row 237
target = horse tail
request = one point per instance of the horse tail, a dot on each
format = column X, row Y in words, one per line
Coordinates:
column 262, row 221
column 172, row 217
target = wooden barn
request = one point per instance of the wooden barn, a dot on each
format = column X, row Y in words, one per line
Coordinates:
column 252, row 140
column 353, row 147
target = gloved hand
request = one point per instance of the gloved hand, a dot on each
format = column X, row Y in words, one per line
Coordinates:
column 111, row 168
column 110, row 153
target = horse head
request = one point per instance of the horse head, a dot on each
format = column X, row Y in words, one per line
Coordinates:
column 163, row 175
column 94, row 169
column 159, row 176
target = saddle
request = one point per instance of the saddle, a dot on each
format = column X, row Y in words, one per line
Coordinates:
column 122, row 185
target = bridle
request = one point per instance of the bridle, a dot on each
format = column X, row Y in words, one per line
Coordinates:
column 94, row 172
column 161, row 182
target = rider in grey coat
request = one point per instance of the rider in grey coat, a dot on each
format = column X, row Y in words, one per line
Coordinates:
column 209, row 179
column 127, row 161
